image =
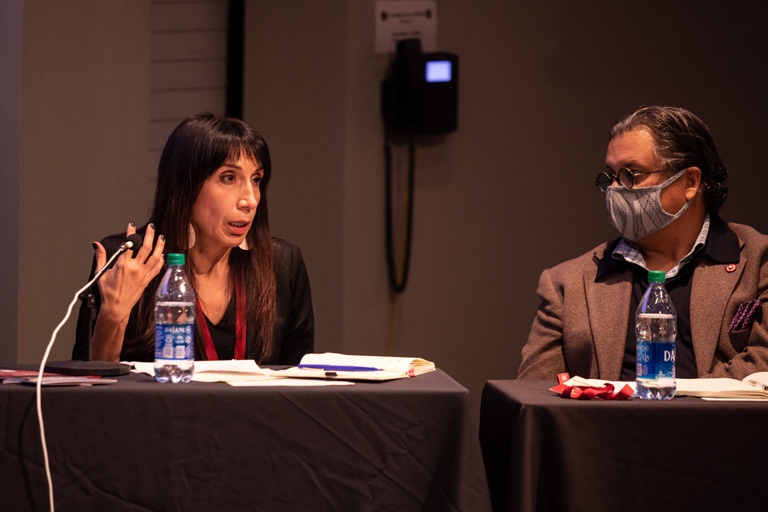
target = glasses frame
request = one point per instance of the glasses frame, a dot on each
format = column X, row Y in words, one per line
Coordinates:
column 617, row 177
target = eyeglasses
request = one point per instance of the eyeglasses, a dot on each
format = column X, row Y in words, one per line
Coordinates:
column 625, row 177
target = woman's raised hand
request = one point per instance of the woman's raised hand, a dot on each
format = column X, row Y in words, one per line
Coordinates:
column 121, row 288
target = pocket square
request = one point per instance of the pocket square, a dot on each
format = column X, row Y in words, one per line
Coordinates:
column 748, row 311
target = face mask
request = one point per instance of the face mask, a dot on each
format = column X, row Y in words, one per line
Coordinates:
column 636, row 212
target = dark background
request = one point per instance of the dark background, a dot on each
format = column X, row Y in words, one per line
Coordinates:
column 510, row 193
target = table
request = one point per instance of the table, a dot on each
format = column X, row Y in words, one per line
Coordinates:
column 543, row 452
column 139, row 445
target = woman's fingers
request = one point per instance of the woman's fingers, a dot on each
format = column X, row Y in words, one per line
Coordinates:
column 149, row 254
column 122, row 286
column 160, row 246
column 100, row 253
column 155, row 261
column 149, row 258
column 146, row 246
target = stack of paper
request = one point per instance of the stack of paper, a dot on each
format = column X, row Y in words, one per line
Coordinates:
column 348, row 367
column 328, row 368
column 723, row 388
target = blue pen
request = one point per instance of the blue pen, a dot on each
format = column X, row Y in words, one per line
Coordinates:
column 337, row 368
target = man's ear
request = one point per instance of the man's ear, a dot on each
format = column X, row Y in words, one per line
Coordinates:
column 693, row 182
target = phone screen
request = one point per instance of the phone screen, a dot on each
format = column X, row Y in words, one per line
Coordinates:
column 438, row 71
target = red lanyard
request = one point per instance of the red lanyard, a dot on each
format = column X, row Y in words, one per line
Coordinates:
column 210, row 349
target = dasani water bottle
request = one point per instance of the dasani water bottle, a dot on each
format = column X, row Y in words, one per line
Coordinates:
column 656, row 329
column 174, row 324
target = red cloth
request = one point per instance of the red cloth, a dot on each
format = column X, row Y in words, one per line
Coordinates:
column 605, row 392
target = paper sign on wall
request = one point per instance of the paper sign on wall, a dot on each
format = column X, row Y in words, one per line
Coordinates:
column 405, row 19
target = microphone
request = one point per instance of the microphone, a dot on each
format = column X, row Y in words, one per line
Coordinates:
column 86, row 366
column 132, row 242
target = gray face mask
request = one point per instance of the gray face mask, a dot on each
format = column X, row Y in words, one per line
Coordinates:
column 637, row 212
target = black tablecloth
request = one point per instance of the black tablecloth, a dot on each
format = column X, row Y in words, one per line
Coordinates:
column 543, row 452
column 138, row 445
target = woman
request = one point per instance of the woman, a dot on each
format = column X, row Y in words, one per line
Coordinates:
column 211, row 205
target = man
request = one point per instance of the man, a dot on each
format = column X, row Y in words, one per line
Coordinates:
column 664, row 184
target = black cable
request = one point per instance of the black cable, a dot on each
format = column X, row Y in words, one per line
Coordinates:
column 235, row 58
column 398, row 286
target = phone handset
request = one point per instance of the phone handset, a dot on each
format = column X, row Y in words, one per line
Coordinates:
column 408, row 83
column 421, row 93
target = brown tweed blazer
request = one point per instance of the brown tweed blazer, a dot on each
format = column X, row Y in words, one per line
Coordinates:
column 581, row 324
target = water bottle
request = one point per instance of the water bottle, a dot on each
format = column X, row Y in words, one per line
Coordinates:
column 174, row 325
column 656, row 329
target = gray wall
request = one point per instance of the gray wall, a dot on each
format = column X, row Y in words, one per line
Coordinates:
column 507, row 195
column 512, row 191
column 81, row 170
column 10, row 156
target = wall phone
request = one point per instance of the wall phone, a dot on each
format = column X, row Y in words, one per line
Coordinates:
column 421, row 93
column 420, row 96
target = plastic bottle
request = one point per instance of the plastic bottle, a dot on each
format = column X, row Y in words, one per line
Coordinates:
column 656, row 330
column 174, row 325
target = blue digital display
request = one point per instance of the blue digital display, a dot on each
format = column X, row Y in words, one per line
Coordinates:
column 438, row 71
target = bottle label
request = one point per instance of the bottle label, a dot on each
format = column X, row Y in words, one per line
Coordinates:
column 174, row 341
column 655, row 359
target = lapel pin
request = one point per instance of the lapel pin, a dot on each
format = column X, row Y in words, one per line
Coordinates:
column 731, row 267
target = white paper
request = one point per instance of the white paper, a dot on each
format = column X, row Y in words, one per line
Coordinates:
column 405, row 19
column 213, row 371
column 290, row 382
column 719, row 388
column 388, row 363
column 237, row 373
column 618, row 385
column 711, row 399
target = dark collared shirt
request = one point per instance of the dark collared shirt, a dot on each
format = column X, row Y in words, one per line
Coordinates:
column 721, row 247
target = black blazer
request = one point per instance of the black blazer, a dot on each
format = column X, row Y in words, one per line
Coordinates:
column 294, row 318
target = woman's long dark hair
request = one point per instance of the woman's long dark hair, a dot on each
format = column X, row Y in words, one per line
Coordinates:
column 199, row 146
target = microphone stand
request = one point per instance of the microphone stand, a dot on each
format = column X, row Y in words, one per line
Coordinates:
column 85, row 326
column 85, row 332
column 86, row 322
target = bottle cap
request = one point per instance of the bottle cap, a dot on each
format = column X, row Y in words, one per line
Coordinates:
column 656, row 276
column 178, row 259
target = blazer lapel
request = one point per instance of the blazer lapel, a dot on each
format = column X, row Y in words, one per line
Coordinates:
column 608, row 305
column 710, row 292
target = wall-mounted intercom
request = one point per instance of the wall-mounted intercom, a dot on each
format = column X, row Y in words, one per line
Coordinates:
column 420, row 95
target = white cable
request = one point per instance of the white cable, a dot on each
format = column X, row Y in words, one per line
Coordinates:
column 38, row 385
